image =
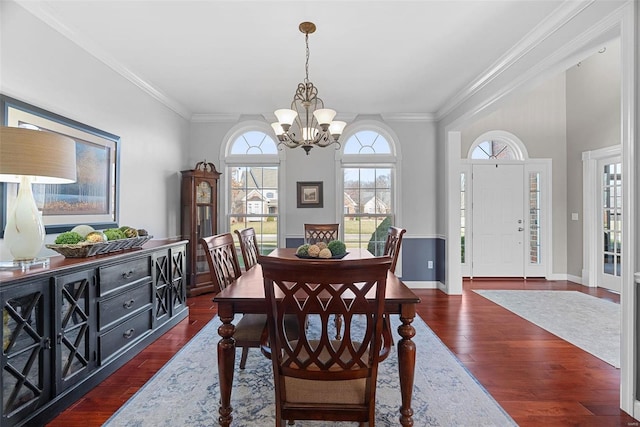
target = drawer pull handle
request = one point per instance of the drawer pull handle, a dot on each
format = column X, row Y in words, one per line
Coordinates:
column 128, row 304
column 129, row 333
column 127, row 274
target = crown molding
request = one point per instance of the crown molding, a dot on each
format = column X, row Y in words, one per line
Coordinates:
column 556, row 20
column 43, row 12
column 410, row 117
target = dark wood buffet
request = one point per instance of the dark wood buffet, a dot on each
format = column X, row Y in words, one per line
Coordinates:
column 68, row 326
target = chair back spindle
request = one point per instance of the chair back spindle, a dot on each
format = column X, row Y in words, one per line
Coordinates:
column 248, row 246
column 314, row 233
column 392, row 245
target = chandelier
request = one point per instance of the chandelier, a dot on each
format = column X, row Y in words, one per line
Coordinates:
column 307, row 124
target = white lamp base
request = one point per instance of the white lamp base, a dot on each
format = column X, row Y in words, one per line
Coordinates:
column 25, row 265
column 24, row 233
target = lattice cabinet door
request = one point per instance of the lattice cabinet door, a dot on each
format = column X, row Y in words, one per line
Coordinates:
column 162, row 285
column 74, row 329
column 178, row 279
column 26, row 350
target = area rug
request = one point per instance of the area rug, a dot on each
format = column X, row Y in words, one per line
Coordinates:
column 186, row 393
column 591, row 323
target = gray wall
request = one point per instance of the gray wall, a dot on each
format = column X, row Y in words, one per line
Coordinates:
column 41, row 67
column 593, row 121
column 537, row 117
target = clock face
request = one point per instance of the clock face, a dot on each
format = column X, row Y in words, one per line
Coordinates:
column 203, row 193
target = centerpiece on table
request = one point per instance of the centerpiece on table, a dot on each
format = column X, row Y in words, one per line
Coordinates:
column 335, row 249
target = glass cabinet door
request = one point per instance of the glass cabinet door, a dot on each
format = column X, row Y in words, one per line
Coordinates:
column 204, row 227
column 26, row 350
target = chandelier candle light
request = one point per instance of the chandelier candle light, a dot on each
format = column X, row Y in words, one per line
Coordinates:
column 307, row 124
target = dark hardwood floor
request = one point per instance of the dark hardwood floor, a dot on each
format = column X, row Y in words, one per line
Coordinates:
column 538, row 378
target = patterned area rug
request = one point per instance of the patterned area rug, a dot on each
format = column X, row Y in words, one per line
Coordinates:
column 591, row 323
column 185, row 392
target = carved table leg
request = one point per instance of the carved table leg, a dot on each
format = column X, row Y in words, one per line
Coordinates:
column 406, row 368
column 226, row 362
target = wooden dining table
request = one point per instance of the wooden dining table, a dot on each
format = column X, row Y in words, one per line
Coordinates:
column 246, row 295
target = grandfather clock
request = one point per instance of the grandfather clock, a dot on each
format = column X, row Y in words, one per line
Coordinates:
column 199, row 199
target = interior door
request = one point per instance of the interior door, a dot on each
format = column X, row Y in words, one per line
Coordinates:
column 498, row 220
column 610, row 215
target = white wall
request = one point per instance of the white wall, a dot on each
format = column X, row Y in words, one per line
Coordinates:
column 41, row 67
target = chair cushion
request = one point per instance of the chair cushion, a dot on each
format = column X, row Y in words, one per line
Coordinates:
column 350, row 392
column 250, row 327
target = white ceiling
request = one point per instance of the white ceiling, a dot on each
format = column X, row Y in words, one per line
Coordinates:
column 366, row 57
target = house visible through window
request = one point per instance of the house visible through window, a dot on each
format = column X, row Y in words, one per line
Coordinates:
column 253, row 187
column 368, row 184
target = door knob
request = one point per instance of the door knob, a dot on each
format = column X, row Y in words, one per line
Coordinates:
column 520, row 229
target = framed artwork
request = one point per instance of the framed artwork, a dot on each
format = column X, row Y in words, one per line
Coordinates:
column 310, row 194
column 93, row 198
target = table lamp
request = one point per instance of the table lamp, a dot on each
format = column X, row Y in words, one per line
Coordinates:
column 32, row 156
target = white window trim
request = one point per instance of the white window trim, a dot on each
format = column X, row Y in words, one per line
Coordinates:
column 229, row 160
column 590, row 219
column 392, row 160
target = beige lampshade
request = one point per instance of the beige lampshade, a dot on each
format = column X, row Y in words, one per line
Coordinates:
column 47, row 157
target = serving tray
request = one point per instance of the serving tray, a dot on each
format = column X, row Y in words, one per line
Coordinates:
column 87, row 249
column 315, row 257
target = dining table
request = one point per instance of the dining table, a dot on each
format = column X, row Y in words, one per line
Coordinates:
column 246, row 295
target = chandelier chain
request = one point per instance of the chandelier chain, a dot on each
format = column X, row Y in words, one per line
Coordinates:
column 306, row 65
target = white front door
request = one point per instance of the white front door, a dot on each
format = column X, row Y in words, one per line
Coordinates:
column 498, row 220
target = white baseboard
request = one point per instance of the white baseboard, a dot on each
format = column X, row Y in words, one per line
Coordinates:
column 575, row 279
column 421, row 284
column 558, row 276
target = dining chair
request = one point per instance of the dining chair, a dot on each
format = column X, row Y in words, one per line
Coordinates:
column 392, row 245
column 224, row 267
column 392, row 249
column 317, row 377
column 248, row 246
column 314, row 233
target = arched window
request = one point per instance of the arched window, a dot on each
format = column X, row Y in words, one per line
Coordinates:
column 252, row 169
column 368, row 163
column 497, row 145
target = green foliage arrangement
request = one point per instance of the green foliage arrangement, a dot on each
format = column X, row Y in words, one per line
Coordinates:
column 303, row 250
column 69, row 238
column 337, row 247
column 114, row 234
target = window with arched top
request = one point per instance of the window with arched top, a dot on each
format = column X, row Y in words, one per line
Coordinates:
column 253, row 142
column 368, row 189
column 489, row 150
column 252, row 168
column 497, row 145
column 367, row 142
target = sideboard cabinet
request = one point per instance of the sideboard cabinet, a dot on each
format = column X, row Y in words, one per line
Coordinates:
column 68, row 326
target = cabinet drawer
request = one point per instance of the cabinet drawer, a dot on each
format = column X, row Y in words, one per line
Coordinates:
column 124, row 335
column 116, row 276
column 122, row 305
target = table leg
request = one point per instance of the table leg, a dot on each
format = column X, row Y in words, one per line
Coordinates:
column 226, row 362
column 406, row 368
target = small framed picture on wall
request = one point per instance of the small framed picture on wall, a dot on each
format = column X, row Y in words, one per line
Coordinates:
column 309, row 194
